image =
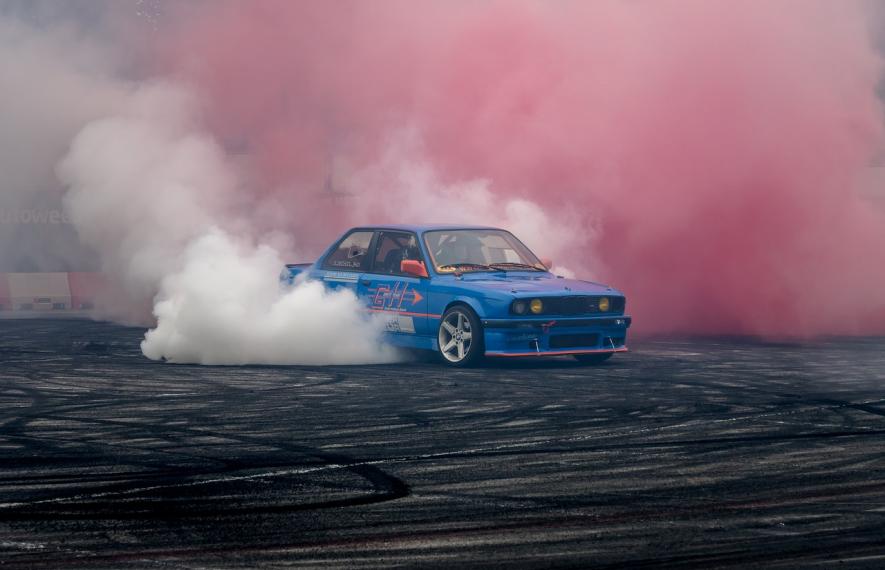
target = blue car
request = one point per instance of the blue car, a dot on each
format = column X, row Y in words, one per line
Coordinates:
column 469, row 293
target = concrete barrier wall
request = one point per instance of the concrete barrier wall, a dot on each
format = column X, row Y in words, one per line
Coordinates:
column 45, row 293
column 39, row 291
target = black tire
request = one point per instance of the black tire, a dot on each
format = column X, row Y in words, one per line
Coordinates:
column 472, row 349
column 595, row 358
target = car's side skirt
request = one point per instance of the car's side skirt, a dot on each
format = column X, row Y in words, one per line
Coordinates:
column 570, row 352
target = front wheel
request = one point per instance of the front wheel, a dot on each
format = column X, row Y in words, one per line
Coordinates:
column 460, row 337
column 596, row 358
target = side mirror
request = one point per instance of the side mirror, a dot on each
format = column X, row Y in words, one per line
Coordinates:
column 413, row 267
column 547, row 262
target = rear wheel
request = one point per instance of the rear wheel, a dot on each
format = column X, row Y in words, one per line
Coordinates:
column 596, row 358
column 460, row 337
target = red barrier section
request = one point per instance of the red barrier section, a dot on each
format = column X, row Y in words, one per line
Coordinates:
column 5, row 298
column 85, row 290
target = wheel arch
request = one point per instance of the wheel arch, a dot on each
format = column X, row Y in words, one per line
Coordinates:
column 470, row 303
column 479, row 340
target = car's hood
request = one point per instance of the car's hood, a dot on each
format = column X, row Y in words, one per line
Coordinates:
column 524, row 283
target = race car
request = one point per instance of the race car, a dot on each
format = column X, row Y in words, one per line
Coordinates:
column 468, row 293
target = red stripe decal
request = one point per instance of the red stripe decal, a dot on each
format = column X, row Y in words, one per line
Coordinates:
column 556, row 352
column 407, row 313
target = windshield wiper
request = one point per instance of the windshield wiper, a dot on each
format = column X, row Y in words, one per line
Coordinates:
column 472, row 265
column 517, row 266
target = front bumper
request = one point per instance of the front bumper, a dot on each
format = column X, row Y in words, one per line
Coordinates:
column 552, row 336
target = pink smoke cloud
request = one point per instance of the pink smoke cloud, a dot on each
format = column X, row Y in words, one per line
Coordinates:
column 713, row 147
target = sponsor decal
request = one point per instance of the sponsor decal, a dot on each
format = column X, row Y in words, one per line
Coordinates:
column 340, row 276
column 401, row 324
column 346, row 263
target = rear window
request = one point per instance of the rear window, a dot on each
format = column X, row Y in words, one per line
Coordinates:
column 351, row 254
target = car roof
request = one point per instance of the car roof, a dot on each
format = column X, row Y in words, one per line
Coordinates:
column 421, row 228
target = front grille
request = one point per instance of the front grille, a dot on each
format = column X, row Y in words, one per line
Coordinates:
column 581, row 305
column 574, row 340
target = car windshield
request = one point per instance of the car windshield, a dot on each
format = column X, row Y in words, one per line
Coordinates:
column 479, row 250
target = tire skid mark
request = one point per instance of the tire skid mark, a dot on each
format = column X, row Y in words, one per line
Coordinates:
column 400, row 489
column 658, row 459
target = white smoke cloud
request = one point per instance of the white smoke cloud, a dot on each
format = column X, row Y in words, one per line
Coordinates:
column 144, row 183
column 223, row 307
column 156, row 198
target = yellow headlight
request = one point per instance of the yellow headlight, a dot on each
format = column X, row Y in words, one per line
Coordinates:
column 536, row 306
column 603, row 304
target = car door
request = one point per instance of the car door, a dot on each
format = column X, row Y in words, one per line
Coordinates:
column 346, row 262
column 387, row 290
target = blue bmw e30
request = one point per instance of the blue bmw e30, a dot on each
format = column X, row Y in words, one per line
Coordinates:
column 470, row 292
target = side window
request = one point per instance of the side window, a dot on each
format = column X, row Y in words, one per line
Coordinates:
column 351, row 254
column 392, row 249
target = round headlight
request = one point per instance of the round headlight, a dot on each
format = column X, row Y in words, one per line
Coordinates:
column 519, row 307
column 603, row 304
column 536, row 306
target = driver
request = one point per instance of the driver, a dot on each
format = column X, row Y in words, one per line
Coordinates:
column 461, row 248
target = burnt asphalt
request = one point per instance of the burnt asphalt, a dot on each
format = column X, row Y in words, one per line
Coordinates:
column 683, row 453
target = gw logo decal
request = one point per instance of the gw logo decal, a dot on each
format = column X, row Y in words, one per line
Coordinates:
column 392, row 299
